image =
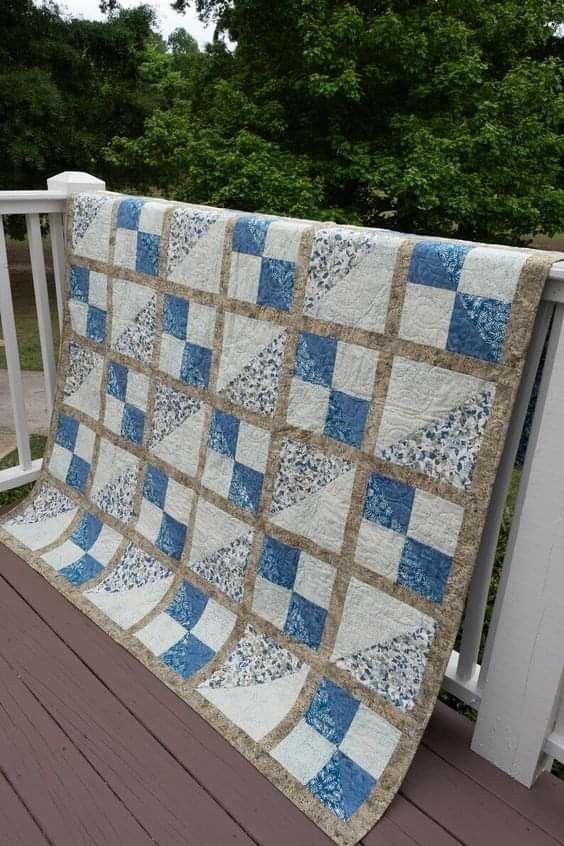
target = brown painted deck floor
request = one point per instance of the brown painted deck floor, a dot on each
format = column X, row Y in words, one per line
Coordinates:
column 95, row 750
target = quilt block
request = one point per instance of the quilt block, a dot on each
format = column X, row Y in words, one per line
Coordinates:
column 268, row 469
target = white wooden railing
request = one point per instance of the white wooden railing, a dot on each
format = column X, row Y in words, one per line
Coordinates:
column 518, row 687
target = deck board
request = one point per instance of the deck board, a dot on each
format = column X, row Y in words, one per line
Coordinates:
column 158, row 760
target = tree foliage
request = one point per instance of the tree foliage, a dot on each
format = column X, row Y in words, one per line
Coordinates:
column 439, row 116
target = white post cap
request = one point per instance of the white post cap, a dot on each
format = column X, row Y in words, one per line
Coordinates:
column 74, row 181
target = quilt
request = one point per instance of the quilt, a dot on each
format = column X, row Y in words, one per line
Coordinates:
column 269, row 463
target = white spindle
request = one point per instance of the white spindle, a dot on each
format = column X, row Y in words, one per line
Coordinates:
column 522, row 691
column 58, row 254
column 15, row 380
column 476, row 602
column 42, row 305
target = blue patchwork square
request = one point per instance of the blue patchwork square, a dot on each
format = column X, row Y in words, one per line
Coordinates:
column 478, row 327
column 155, row 486
column 133, row 424
column 96, row 324
column 424, row 570
column 188, row 605
column 175, row 316
column 78, row 473
column 246, row 487
column 249, row 235
column 315, row 359
column 171, row 537
column 342, row 785
column 305, row 621
column 389, row 502
column 331, row 711
column 82, row 570
column 148, row 252
column 79, row 287
column 346, row 418
column 437, row 263
column 279, row 562
column 87, row 532
column 196, row 365
column 117, row 380
column 187, row 656
column 67, row 431
column 224, row 432
column 276, row 283
column 128, row 213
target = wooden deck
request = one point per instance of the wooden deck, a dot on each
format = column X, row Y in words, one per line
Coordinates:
column 95, row 750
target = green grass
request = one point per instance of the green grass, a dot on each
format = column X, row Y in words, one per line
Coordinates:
column 10, row 498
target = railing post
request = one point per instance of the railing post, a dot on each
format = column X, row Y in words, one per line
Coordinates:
column 521, row 695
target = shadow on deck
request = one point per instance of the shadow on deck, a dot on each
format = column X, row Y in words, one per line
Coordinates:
column 95, row 750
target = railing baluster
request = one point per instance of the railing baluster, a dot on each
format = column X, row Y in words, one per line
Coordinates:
column 15, row 379
column 479, row 586
column 58, row 253
column 42, row 305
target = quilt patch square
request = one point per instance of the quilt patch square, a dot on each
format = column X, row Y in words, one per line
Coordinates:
column 71, row 456
column 459, row 297
column 88, row 306
column 195, row 247
column 350, row 276
column 133, row 320
column 44, row 520
column 187, row 340
column 126, row 402
column 178, row 423
column 434, row 421
column 165, row 511
column 236, row 460
column 115, row 479
column 331, row 388
column 338, row 750
column 86, row 553
column 264, row 260
column 138, row 235
column 83, row 380
column 188, row 634
column 384, row 643
column 91, row 225
column 293, row 590
column 408, row 536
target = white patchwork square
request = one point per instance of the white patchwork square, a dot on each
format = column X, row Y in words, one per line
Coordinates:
column 283, row 238
column 161, row 633
column 63, row 555
column 304, row 752
column 97, row 290
column 435, row 522
column 60, row 461
column 84, row 446
column 105, row 545
column 137, row 390
column 113, row 414
column 271, row 601
column 370, row 741
column 150, row 519
column 172, row 350
column 218, row 472
column 355, row 370
column 379, row 549
column 151, row 217
column 125, row 253
column 252, row 446
column 178, row 501
column 78, row 315
column 314, row 580
column 426, row 314
column 307, row 405
column 201, row 325
column 244, row 277
column 214, row 626
column 492, row 272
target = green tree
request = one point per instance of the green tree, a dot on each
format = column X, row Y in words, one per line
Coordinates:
column 438, row 116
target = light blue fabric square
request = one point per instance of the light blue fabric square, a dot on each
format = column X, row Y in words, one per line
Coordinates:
column 346, row 418
column 187, row 656
column 79, row 283
column 132, row 424
column 82, row 570
column 437, row 263
column 67, row 431
column 246, row 487
column 279, row 562
column 155, row 485
column 175, row 316
column 188, row 605
column 147, row 259
column 117, row 380
column 305, row 621
column 478, row 327
column 87, row 531
column 96, row 324
column 196, row 365
column 171, row 537
column 224, row 432
column 77, row 473
column 128, row 213
column 249, row 235
column 424, row 570
column 276, row 283
column 342, row 785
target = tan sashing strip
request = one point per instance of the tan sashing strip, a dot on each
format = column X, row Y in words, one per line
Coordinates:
column 475, row 502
